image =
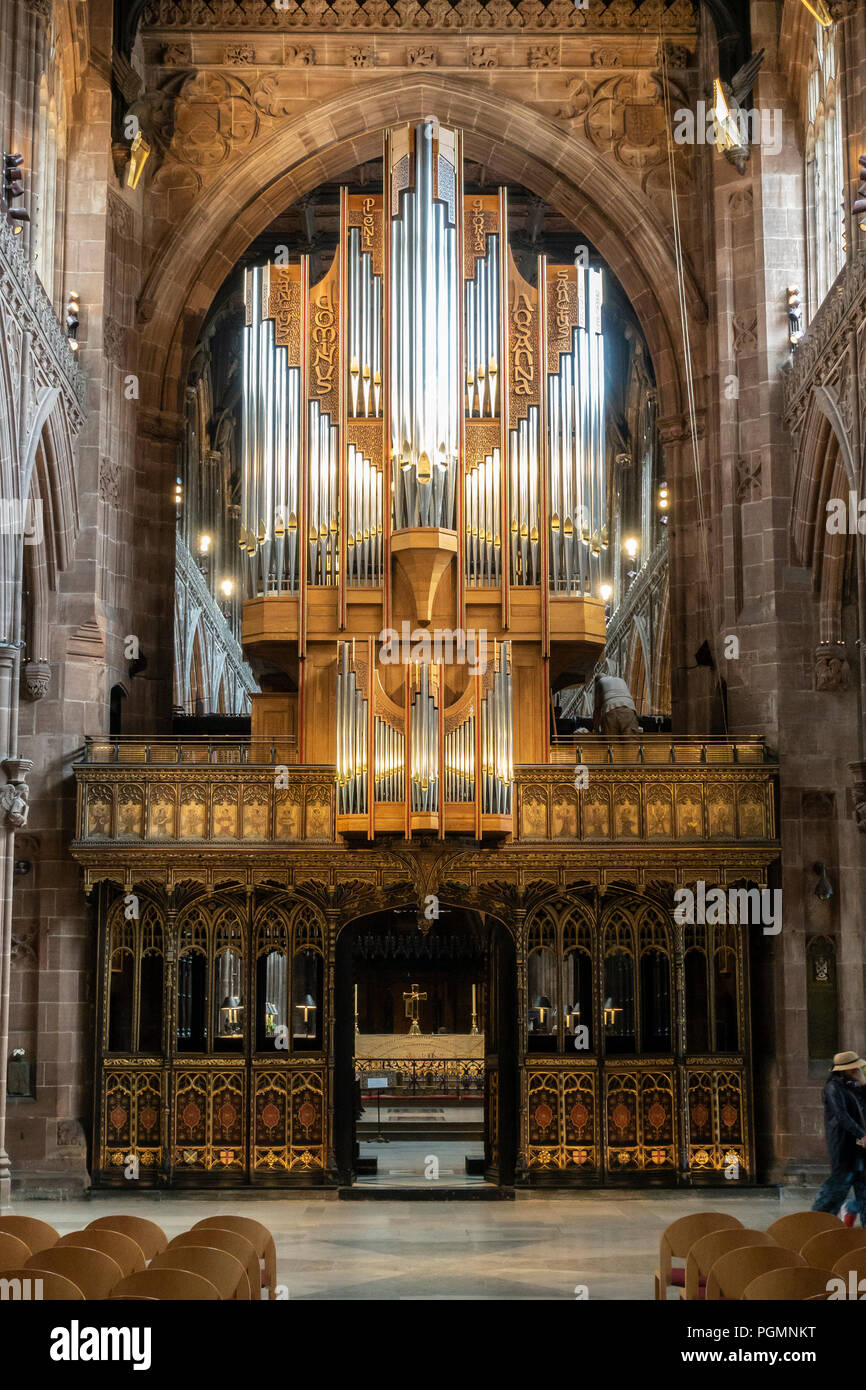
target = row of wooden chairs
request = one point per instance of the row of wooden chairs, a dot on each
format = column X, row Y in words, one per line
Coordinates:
column 128, row 1257
column 794, row 1259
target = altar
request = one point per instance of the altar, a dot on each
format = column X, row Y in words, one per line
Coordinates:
column 423, row 1046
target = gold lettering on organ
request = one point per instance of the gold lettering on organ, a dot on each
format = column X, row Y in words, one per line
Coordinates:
column 522, row 350
column 367, row 222
column 563, row 305
column 323, row 344
column 478, row 226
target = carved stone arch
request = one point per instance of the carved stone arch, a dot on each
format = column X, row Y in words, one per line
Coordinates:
column 825, row 471
column 639, row 666
column 660, row 695
column 308, row 929
column 555, row 164
column 823, row 440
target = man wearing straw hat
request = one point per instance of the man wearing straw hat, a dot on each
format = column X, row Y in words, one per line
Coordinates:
column 845, row 1128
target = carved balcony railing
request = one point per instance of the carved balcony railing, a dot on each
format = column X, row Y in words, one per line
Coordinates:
column 824, row 356
column 187, row 803
column 196, row 608
column 35, row 312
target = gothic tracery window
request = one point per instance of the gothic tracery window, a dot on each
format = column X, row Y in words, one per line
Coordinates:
column 825, row 184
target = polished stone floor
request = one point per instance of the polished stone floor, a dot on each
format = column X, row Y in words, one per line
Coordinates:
column 536, row 1247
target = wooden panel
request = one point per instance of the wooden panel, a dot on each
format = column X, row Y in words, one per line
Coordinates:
column 718, row 1139
column 640, row 1120
column 132, row 1101
column 208, row 1120
column 562, row 1116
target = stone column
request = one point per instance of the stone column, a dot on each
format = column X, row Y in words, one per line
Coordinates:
column 12, row 810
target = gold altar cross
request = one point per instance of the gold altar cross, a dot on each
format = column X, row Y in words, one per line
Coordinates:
column 411, row 1001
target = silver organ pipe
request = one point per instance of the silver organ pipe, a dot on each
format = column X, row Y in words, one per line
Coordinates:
column 323, row 507
column 482, row 334
column 425, row 291
column 364, row 520
column 365, row 332
column 271, row 453
column 497, row 741
column 460, row 762
column 483, row 539
column 575, row 396
column 389, row 768
column 424, row 733
column 352, row 753
column 523, row 463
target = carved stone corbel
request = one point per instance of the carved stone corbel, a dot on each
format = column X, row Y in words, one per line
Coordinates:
column 37, row 679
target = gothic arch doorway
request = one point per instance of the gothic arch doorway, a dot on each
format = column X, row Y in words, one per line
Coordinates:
column 425, row 1051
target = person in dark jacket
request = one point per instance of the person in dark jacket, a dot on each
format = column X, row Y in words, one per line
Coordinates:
column 845, row 1128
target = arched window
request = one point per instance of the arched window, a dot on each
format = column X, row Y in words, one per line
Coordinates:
column 229, row 983
column 577, row 980
column 725, row 988
column 115, row 711
column 192, row 982
column 307, row 982
column 272, row 974
column 619, row 1001
column 543, row 984
column 825, row 184
column 655, row 983
column 135, row 980
column 697, row 990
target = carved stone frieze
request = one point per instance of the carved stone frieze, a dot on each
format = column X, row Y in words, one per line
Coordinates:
column 646, row 16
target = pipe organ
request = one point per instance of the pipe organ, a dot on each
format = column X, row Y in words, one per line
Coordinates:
column 423, row 450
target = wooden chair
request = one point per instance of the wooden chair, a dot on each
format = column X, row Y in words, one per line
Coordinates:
column 122, row 1249
column 794, row 1283
column 705, row 1251
column 146, row 1234
column 38, row 1235
column 13, row 1252
column 56, row 1288
column 793, row 1231
column 173, row 1285
column 823, row 1250
column 678, row 1239
column 733, row 1272
column 233, row 1244
column 95, row 1274
column 260, row 1238
column 227, row 1274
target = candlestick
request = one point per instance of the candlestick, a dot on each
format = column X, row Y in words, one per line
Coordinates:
column 474, row 1028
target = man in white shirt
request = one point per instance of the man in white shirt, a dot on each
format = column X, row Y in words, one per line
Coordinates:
column 614, row 711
